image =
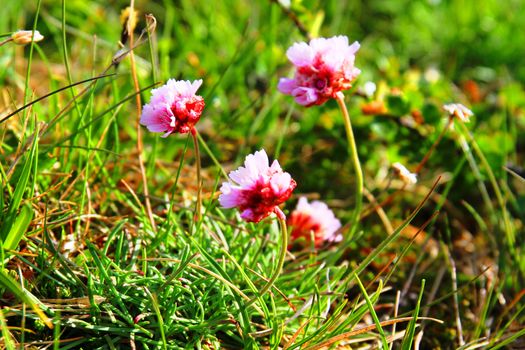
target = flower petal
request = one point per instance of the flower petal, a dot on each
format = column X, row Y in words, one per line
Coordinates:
column 300, row 54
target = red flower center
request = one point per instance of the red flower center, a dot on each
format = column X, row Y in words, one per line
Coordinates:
column 187, row 115
column 261, row 199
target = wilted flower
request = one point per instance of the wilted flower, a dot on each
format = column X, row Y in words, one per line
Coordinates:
column 404, row 174
column 323, row 68
column 23, row 37
column 174, row 107
column 459, row 111
column 127, row 15
column 258, row 188
column 314, row 219
column 128, row 19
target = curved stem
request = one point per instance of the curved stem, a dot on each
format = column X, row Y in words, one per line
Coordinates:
column 199, row 178
column 6, row 41
column 282, row 255
column 433, row 147
column 417, row 170
column 340, row 98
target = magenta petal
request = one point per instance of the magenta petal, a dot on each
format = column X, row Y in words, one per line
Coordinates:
column 286, row 85
column 249, row 215
column 156, row 119
column 305, row 96
column 230, row 197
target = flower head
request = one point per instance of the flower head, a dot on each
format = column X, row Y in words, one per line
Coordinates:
column 174, row 107
column 258, row 188
column 323, row 68
column 314, row 218
column 404, row 174
column 24, row 37
column 459, row 111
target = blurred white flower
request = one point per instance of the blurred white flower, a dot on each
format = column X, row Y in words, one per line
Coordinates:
column 459, row 111
column 404, row 174
column 369, row 88
column 432, row 75
column 285, row 3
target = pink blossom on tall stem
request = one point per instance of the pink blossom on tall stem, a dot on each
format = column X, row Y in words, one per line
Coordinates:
column 323, row 68
column 315, row 219
column 257, row 188
column 173, row 108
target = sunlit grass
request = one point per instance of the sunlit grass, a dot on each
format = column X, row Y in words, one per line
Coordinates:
column 435, row 264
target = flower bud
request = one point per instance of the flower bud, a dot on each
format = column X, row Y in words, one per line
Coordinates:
column 23, row 37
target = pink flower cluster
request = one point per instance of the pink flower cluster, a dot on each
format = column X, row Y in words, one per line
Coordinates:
column 323, row 68
column 314, row 219
column 258, row 188
column 173, row 108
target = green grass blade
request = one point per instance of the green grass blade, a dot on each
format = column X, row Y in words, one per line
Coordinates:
column 510, row 339
column 394, row 234
column 6, row 336
column 51, row 94
column 19, row 227
column 19, row 191
column 372, row 311
column 411, row 330
column 11, row 285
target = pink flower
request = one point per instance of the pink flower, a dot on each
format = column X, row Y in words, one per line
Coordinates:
column 314, row 218
column 258, row 188
column 323, row 68
column 173, row 107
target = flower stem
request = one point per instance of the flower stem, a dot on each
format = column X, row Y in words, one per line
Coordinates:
column 417, row 170
column 199, row 177
column 6, row 41
column 140, row 146
column 340, row 98
column 433, row 147
column 508, row 227
column 282, row 255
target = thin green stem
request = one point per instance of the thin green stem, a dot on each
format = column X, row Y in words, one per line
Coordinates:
column 417, row 170
column 199, row 176
column 66, row 62
column 509, row 230
column 355, row 160
column 282, row 255
column 213, row 158
column 30, row 59
column 433, row 147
